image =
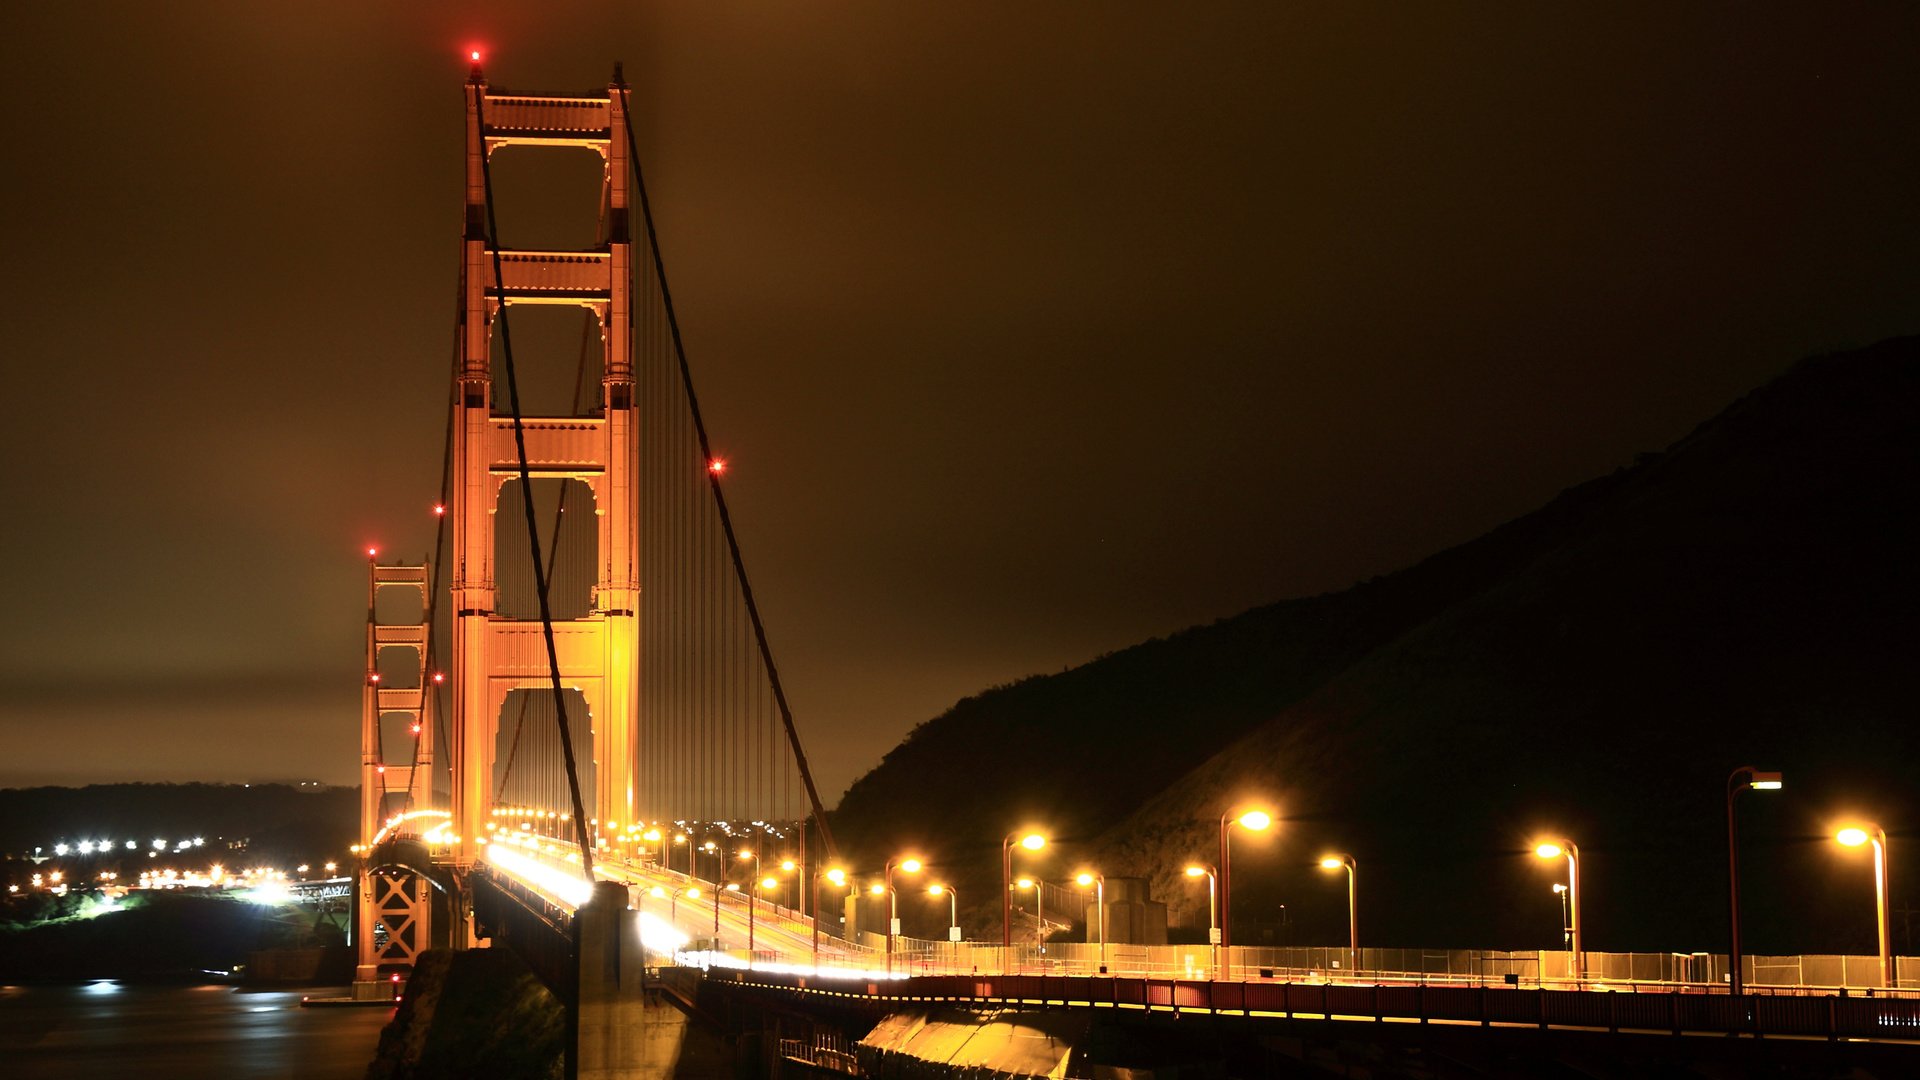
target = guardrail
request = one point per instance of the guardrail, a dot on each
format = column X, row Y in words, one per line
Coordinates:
column 1878, row 1018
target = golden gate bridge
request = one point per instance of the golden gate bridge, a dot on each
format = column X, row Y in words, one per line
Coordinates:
column 575, row 743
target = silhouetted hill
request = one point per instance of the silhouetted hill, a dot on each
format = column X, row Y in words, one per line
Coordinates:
column 1596, row 667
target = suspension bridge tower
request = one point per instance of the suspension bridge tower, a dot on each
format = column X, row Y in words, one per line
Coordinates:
column 494, row 654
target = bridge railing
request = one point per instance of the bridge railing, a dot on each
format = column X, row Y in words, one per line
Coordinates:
column 1463, row 967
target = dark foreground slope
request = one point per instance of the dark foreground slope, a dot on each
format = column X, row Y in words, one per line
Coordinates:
column 1596, row 667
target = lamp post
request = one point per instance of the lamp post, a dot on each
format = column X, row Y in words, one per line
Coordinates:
column 763, row 883
column 1553, row 849
column 1566, row 925
column 652, row 836
column 753, row 886
column 1252, row 821
column 1039, row 906
column 1032, row 842
column 908, row 865
column 681, row 838
column 838, row 877
column 1742, row 778
column 953, row 907
column 710, row 848
column 1213, row 908
column 789, row 867
column 1099, row 883
column 1336, row 862
column 691, row 892
column 730, row 887
column 1856, row 836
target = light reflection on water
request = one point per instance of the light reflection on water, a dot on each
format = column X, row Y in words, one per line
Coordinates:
column 65, row 1031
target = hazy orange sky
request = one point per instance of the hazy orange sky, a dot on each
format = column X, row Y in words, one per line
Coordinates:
column 1029, row 330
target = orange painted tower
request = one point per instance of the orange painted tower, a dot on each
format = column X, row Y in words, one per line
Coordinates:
column 494, row 655
column 393, row 924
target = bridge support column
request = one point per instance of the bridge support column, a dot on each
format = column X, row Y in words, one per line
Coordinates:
column 619, row 1034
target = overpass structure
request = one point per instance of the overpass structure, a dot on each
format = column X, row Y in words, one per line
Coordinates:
column 589, row 695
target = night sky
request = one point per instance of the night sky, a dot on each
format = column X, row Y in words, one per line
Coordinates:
column 1028, row 330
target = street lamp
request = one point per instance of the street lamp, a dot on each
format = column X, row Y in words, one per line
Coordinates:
column 1746, row 776
column 1344, row 861
column 763, row 883
column 691, row 892
column 839, row 878
column 1252, row 821
column 1039, row 905
column 909, row 865
column 953, row 908
column 729, row 887
column 1566, row 925
column 1553, row 849
column 1213, row 906
column 1856, row 836
column 1099, row 883
column 1213, row 900
column 681, row 838
column 710, row 848
column 1032, row 842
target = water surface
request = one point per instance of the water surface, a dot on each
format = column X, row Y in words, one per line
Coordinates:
column 185, row 1031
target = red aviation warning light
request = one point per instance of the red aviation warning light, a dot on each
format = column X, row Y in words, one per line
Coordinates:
column 474, row 55
column 439, row 508
column 717, row 466
column 372, row 551
column 439, row 677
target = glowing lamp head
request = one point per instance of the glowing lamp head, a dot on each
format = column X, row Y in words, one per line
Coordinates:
column 877, row 889
column 837, row 876
column 1084, row 879
column 1331, row 863
column 1196, row 871
column 1549, row 850
column 911, row 866
column 787, row 865
column 1852, row 837
column 1766, row 781
column 1255, row 820
column 693, row 893
column 743, row 854
column 769, row 883
column 1025, row 883
column 936, row 889
column 652, row 835
column 1033, row 841
column 657, row 893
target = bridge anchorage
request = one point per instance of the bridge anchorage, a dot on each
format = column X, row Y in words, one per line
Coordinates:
column 607, row 780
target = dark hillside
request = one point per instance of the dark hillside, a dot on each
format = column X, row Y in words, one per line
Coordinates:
column 1597, row 666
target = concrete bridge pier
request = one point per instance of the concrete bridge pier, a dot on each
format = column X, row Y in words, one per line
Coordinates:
column 620, row 1032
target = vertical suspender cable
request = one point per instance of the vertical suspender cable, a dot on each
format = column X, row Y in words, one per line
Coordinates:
column 713, row 479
